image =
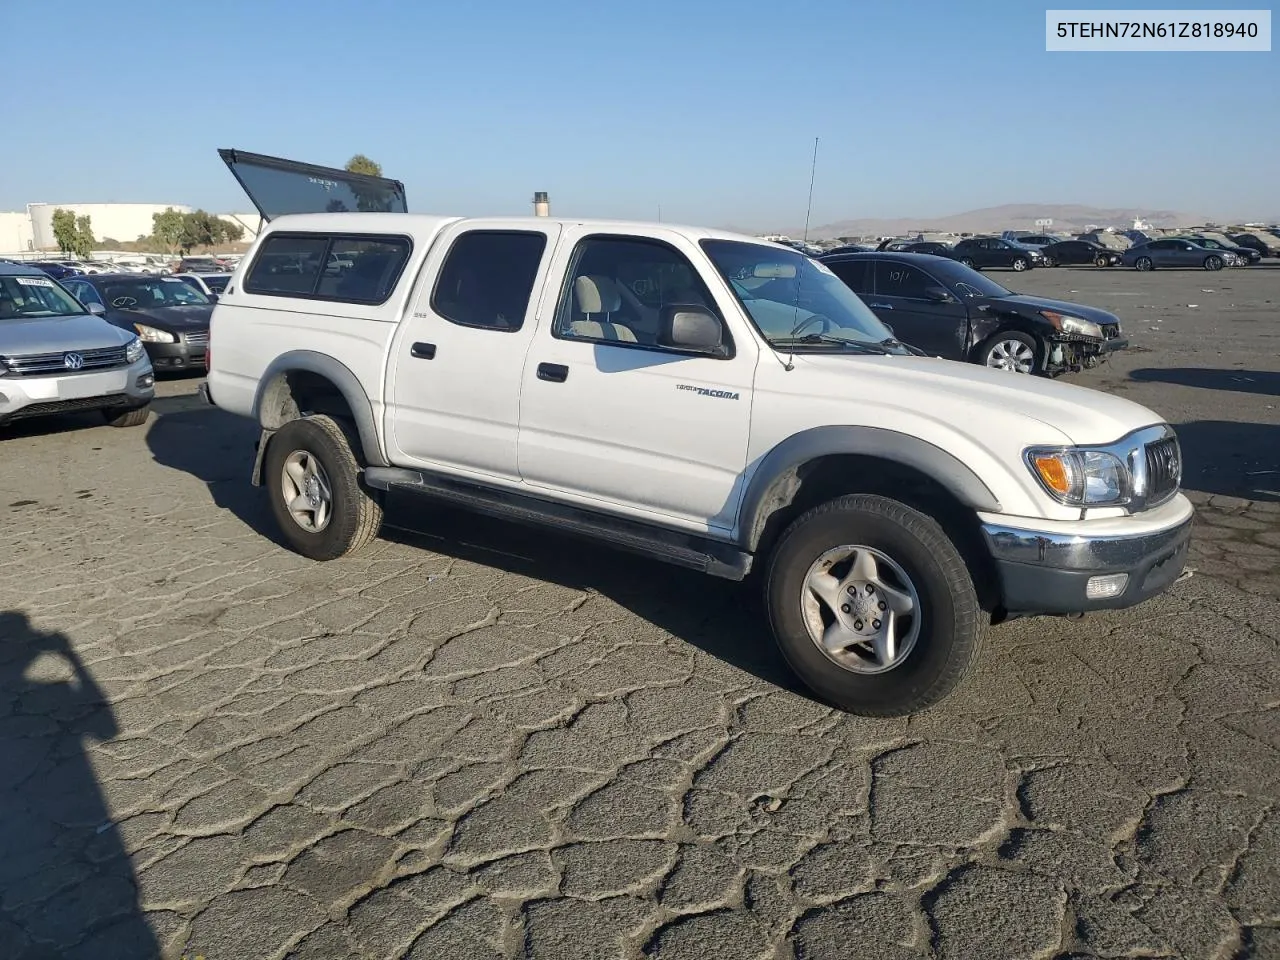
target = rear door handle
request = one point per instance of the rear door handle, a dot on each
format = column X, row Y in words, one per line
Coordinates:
column 555, row 372
column 423, row 351
column 880, row 306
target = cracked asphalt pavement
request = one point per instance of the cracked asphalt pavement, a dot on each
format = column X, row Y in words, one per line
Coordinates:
column 480, row 741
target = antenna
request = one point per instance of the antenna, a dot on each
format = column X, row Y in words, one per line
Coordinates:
column 812, row 171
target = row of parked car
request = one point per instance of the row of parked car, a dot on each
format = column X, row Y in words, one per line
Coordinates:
column 1026, row 251
column 149, row 265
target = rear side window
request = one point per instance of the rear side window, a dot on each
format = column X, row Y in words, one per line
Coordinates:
column 855, row 274
column 487, row 278
column 346, row 268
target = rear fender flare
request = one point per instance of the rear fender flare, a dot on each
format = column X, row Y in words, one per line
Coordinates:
column 271, row 406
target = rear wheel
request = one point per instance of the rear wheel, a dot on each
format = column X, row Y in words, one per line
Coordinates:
column 1011, row 350
column 313, row 481
column 872, row 606
column 1143, row 263
column 128, row 418
column 1213, row 262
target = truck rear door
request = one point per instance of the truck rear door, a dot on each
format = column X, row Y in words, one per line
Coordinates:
column 454, row 374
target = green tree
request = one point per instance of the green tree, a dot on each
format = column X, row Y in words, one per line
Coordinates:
column 229, row 232
column 166, row 229
column 362, row 164
column 84, row 238
column 65, row 233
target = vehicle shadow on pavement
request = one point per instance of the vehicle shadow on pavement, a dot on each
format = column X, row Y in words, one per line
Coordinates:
column 215, row 447
column 1264, row 382
column 723, row 618
column 1234, row 459
column 67, row 886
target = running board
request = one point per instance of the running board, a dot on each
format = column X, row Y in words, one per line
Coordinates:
column 682, row 549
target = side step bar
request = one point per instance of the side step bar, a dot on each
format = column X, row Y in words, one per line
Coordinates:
column 685, row 550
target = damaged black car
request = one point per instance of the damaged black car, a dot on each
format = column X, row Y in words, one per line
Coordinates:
column 948, row 310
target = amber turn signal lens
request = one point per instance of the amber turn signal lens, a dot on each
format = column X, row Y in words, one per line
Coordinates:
column 1053, row 471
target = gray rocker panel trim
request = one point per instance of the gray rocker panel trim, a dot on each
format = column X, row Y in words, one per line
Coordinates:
column 774, row 481
column 266, row 405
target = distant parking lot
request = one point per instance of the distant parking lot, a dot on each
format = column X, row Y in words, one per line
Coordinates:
column 477, row 741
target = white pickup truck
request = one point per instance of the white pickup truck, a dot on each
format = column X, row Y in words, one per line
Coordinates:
column 708, row 399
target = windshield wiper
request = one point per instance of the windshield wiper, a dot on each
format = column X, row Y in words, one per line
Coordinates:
column 860, row 345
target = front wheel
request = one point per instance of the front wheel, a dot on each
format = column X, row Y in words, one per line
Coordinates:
column 128, row 418
column 872, row 606
column 1143, row 263
column 1213, row 262
column 1010, row 350
column 1102, row 261
column 968, row 262
column 313, row 480
column 1021, row 264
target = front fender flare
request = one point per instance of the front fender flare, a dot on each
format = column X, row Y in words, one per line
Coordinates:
column 774, row 481
column 268, row 402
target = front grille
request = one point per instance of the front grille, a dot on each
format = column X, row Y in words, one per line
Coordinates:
column 42, row 364
column 199, row 336
column 68, row 406
column 1164, row 469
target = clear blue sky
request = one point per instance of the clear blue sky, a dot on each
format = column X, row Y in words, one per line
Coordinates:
column 709, row 109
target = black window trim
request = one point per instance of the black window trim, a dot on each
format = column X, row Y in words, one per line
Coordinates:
column 875, row 280
column 330, row 236
column 547, row 245
column 730, row 348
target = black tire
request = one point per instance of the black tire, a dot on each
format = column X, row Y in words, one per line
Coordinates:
column 354, row 517
column 982, row 353
column 1020, row 264
column 1143, row 263
column 1101, row 261
column 968, row 262
column 950, row 634
column 134, row 417
column 1213, row 262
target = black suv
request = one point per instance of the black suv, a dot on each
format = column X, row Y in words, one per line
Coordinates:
column 979, row 252
column 948, row 310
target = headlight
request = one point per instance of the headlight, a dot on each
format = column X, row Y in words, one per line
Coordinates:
column 152, row 335
column 1066, row 323
column 133, row 350
column 1081, row 477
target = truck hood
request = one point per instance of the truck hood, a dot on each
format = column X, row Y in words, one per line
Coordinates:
column 53, row 334
column 952, row 391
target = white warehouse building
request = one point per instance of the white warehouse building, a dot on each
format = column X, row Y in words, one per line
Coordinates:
column 32, row 230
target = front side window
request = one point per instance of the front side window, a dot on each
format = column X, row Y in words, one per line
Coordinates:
column 25, row 298
column 789, row 296
column 487, row 278
column 142, row 293
column 895, row 279
column 84, row 292
column 618, row 287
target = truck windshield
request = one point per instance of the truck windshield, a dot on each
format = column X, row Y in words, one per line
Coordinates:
column 789, row 295
column 26, row 298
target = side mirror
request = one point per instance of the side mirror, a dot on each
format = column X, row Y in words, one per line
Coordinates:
column 96, row 309
column 938, row 294
column 691, row 327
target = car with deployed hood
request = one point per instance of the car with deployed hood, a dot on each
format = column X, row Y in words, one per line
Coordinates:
column 949, row 310
column 57, row 356
column 170, row 316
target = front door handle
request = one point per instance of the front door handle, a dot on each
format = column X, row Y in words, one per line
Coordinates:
column 880, row 306
column 555, row 372
column 423, row 351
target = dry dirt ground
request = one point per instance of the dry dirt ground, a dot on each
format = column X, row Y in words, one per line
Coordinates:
column 474, row 741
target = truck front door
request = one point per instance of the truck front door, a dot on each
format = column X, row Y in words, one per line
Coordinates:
column 607, row 415
column 457, row 359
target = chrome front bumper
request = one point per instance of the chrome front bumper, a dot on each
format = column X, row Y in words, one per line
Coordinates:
column 1047, row 572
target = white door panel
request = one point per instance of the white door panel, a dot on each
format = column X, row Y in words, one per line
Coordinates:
column 454, row 386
